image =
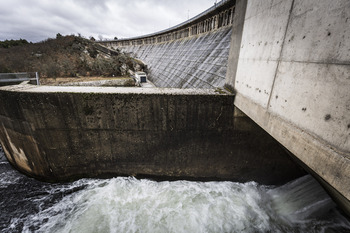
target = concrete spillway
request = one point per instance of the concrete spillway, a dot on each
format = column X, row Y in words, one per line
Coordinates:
column 193, row 62
column 193, row 54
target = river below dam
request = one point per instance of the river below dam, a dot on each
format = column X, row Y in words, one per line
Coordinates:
column 126, row 204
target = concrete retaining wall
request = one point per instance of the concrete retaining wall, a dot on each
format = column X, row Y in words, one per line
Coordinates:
column 62, row 133
column 292, row 77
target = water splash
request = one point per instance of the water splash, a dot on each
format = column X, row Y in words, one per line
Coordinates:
column 131, row 205
column 126, row 204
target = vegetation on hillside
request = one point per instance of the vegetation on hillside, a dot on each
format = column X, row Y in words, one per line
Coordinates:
column 65, row 56
column 12, row 43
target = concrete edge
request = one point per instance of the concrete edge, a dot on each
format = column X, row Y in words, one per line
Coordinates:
column 113, row 90
column 331, row 166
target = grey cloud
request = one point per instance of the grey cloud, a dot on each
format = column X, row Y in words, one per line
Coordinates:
column 37, row 20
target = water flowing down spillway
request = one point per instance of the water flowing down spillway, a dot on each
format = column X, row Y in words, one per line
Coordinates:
column 194, row 62
column 131, row 205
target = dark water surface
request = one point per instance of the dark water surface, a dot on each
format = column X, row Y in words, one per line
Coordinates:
column 126, row 204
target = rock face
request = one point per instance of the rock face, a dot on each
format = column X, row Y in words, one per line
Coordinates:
column 66, row 56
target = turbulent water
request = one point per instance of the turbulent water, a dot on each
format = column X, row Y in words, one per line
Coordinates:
column 131, row 205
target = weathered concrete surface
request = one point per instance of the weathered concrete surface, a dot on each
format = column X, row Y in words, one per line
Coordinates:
column 292, row 77
column 117, row 82
column 62, row 133
column 235, row 43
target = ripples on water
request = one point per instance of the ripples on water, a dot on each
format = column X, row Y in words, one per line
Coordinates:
column 131, row 205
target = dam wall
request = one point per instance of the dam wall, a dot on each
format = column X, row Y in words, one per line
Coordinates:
column 63, row 133
column 190, row 55
column 289, row 67
column 56, row 133
column 286, row 61
column 195, row 62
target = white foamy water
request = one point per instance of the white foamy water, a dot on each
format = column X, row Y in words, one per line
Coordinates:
column 131, row 205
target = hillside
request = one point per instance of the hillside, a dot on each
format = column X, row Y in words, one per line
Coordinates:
column 65, row 56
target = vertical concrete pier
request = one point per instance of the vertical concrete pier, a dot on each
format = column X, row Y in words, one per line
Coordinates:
column 289, row 66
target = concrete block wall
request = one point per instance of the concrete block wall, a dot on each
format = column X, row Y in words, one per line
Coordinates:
column 62, row 133
column 291, row 76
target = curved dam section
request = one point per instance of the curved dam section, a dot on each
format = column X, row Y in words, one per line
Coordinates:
column 193, row 54
column 195, row 62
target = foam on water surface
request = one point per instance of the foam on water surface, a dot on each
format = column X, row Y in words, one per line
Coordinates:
column 126, row 204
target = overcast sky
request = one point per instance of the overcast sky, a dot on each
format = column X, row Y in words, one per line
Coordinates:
column 36, row 20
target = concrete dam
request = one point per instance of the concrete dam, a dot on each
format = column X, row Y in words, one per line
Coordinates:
column 191, row 55
column 234, row 84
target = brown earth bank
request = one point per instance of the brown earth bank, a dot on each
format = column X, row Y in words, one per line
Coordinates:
column 66, row 56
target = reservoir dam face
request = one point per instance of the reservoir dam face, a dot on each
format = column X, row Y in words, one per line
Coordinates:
column 194, row 62
column 180, row 157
